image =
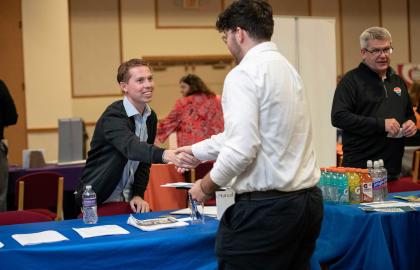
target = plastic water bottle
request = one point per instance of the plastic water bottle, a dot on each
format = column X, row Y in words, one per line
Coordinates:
column 384, row 179
column 321, row 183
column 369, row 167
column 90, row 215
column 332, row 188
column 365, row 186
column 342, row 187
column 354, row 185
column 377, row 182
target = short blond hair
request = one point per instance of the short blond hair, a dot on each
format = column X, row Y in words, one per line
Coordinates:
column 375, row 32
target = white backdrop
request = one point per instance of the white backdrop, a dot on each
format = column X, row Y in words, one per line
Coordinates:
column 309, row 44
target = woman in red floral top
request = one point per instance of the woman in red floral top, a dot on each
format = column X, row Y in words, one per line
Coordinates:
column 195, row 117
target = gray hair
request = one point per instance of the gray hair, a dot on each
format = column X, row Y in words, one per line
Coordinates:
column 371, row 33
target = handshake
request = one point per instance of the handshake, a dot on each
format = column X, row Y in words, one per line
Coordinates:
column 182, row 157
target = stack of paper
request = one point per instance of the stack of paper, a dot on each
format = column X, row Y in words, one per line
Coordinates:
column 389, row 206
column 39, row 238
column 100, row 231
column 183, row 185
column 156, row 223
column 208, row 211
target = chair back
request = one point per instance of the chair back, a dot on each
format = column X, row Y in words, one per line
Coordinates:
column 43, row 190
column 19, row 217
column 416, row 166
column 112, row 208
column 201, row 170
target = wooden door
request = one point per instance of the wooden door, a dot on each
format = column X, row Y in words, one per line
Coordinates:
column 11, row 72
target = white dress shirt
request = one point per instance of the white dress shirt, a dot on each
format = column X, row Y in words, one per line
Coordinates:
column 124, row 191
column 267, row 141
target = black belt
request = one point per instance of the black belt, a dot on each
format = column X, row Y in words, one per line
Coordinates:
column 266, row 195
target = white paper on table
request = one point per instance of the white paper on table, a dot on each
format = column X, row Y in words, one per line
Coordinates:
column 100, row 231
column 39, row 238
column 390, row 204
column 208, row 211
column 178, row 185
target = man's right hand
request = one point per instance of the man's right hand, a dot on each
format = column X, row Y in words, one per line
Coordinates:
column 392, row 126
column 180, row 159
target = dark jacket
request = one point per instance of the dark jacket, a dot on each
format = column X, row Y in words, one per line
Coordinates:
column 114, row 142
column 362, row 102
column 8, row 114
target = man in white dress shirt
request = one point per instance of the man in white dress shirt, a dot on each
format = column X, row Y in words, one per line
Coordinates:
column 266, row 151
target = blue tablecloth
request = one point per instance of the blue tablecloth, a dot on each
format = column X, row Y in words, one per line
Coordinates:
column 349, row 239
column 353, row 239
column 190, row 247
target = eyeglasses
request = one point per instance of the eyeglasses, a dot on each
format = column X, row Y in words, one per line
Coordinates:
column 377, row 52
column 224, row 38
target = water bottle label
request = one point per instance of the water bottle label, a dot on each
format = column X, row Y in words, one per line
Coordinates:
column 377, row 183
column 89, row 202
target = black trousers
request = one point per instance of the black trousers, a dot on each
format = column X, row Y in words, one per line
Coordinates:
column 277, row 233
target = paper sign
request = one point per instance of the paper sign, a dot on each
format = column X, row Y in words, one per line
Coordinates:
column 224, row 199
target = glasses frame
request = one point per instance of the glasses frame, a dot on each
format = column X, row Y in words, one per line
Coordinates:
column 224, row 37
column 377, row 52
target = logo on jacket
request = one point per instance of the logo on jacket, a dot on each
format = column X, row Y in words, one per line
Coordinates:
column 397, row 91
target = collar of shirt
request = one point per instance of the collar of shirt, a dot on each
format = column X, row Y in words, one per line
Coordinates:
column 132, row 111
column 389, row 72
column 263, row 46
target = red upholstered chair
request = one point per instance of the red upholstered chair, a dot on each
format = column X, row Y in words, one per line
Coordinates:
column 199, row 172
column 112, row 208
column 19, row 217
column 416, row 167
column 41, row 193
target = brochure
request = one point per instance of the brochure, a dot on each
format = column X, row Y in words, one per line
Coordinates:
column 411, row 198
column 155, row 223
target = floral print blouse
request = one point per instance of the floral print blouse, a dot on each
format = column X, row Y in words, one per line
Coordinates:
column 193, row 118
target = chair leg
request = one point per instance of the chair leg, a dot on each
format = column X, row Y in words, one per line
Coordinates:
column 416, row 167
column 21, row 191
column 193, row 176
column 59, row 213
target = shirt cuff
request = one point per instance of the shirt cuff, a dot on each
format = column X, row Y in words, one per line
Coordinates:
column 200, row 150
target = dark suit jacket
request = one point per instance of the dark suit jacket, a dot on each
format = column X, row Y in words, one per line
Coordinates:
column 114, row 142
column 8, row 114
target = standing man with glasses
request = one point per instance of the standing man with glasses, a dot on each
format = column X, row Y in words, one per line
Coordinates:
column 372, row 106
column 266, row 150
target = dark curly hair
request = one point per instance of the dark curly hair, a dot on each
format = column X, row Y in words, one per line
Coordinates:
column 254, row 16
column 196, row 85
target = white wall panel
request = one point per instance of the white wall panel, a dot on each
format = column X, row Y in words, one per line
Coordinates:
column 309, row 44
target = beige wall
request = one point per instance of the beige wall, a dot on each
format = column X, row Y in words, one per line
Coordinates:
column 47, row 51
